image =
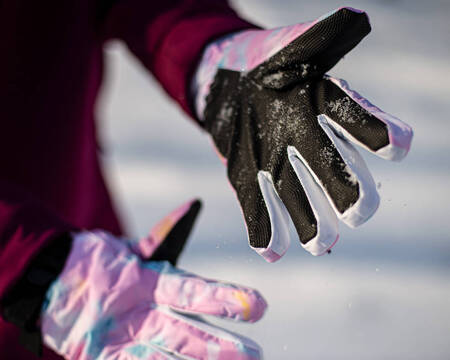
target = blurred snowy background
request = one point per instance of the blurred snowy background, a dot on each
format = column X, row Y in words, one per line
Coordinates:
column 384, row 292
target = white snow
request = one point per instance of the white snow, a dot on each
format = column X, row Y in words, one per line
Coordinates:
column 273, row 79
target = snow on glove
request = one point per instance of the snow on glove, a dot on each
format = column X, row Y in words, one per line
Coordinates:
column 110, row 304
column 284, row 128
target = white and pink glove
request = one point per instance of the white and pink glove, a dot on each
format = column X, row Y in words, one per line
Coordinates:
column 286, row 130
column 108, row 303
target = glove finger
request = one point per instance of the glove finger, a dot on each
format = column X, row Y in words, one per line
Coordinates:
column 253, row 207
column 316, row 50
column 168, row 237
column 368, row 200
column 187, row 337
column 309, row 210
column 339, row 170
column 184, row 291
column 279, row 220
column 342, row 174
column 173, row 243
column 243, row 168
column 266, row 219
column 361, row 122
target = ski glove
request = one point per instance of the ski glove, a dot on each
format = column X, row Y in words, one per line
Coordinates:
column 108, row 303
column 285, row 130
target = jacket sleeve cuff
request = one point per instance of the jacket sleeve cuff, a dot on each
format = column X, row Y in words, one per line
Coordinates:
column 23, row 302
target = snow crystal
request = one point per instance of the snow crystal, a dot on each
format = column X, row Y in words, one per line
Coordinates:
column 305, row 68
column 351, row 177
column 224, row 117
column 346, row 111
column 277, row 106
column 285, row 122
column 326, row 155
column 225, row 112
column 273, row 79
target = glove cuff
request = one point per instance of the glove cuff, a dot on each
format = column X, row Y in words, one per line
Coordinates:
column 207, row 70
column 22, row 305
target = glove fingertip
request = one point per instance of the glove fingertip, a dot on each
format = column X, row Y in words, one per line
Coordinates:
column 252, row 304
column 362, row 210
column 400, row 139
column 279, row 220
column 268, row 254
column 259, row 307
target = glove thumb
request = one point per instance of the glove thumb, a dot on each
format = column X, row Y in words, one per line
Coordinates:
column 167, row 238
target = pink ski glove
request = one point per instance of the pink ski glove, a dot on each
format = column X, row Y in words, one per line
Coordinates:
column 286, row 130
column 109, row 304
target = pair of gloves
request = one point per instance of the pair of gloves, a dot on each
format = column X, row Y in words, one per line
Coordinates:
column 285, row 131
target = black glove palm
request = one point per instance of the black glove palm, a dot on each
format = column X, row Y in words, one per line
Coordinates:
column 283, row 127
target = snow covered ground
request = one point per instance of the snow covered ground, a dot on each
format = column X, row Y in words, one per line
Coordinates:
column 384, row 292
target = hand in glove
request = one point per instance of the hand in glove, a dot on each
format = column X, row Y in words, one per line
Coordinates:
column 109, row 304
column 285, row 130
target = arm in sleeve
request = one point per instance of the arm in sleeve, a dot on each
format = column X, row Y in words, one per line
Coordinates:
column 168, row 37
column 34, row 244
column 26, row 226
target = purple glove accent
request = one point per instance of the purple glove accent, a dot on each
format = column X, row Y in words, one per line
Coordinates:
column 107, row 303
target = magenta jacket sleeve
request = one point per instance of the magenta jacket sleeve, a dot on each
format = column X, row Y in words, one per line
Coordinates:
column 25, row 227
column 168, row 37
